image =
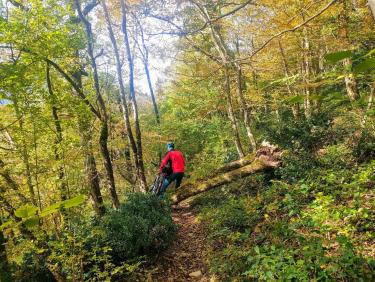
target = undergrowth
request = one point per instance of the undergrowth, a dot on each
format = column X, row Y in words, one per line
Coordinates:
column 316, row 222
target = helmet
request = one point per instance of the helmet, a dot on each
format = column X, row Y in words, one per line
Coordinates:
column 170, row 146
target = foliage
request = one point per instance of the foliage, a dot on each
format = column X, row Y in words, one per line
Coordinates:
column 311, row 230
column 309, row 90
column 141, row 226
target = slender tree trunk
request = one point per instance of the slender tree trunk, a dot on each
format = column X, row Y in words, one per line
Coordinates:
column 350, row 80
column 295, row 107
column 91, row 172
column 221, row 48
column 369, row 104
column 149, row 82
column 124, row 103
column 371, row 4
column 155, row 105
column 58, row 138
column 142, row 180
column 244, row 104
column 306, row 72
column 11, row 183
column 232, row 118
column 103, row 139
column 245, row 110
column 36, row 167
column 92, row 176
column 25, row 155
column 144, row 53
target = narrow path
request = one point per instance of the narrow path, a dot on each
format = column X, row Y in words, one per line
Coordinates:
column 184, row 259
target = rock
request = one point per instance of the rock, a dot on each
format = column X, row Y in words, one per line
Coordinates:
column 196, row 274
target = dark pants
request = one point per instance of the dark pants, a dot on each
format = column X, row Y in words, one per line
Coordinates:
column 170, row 178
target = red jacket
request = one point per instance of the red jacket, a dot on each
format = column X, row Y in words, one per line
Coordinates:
column 177, row 159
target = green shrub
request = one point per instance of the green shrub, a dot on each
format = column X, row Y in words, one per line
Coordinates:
column 142, row 226
column 296, row 165
column 110, row 248
column 364, row 149
column 302, row 134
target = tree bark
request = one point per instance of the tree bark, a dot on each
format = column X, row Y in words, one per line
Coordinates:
column 92, row 176
column 58, row 138
column 124, row 103
column 295, row 107
column 189, row 190
column 103, row 139
column 306, row 72
column 142, row 177
column 232, row 117
column 371, row 4
column 369, row 104
column 25, row 155
column 145, row 60
column 91, row 172
column 11, row 183
column 228, row 59
column 350, row 80
column 245, row 109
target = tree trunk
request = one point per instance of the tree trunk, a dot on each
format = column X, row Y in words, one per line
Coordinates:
column 306, row 72
column 371, row 4
column 369, row 104
column 142, row 177
column 92, row 176
column 232, row 118
column 226, row 64
column 245, row 109
column 295, row 107
column 350, row 81
column 58, row 138
column 124, row 103
column 11, row 183
column 25, row 155
column 189, row 190
column 91, row 172
column 5, row 274
column 144, row 53
column 103, row 139
column 156, row 110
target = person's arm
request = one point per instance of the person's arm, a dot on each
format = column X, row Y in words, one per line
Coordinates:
column 164, row 162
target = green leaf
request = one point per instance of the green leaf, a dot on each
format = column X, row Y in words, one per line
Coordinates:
column 25, row 211
column 365, row 66
column 256, row 249
column 370, row 53
column 338, row 56
column 51, row 209
column 73, row 202
column 5, row 225
column 31, row 222
column 295, row 99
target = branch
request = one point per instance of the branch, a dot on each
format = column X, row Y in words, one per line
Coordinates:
column 182, row 32
column 75, row 86
column 89, row 7
column 18, row 5
column 290, row 30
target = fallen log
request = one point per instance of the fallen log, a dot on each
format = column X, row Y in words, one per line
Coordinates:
column 235, row 164
column 265, row 158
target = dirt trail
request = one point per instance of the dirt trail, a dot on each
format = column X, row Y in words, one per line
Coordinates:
column 184, row 259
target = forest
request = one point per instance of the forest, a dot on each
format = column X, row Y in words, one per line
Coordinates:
column 270, row 102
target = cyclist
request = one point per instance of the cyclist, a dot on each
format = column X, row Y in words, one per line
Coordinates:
column 176, row 158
